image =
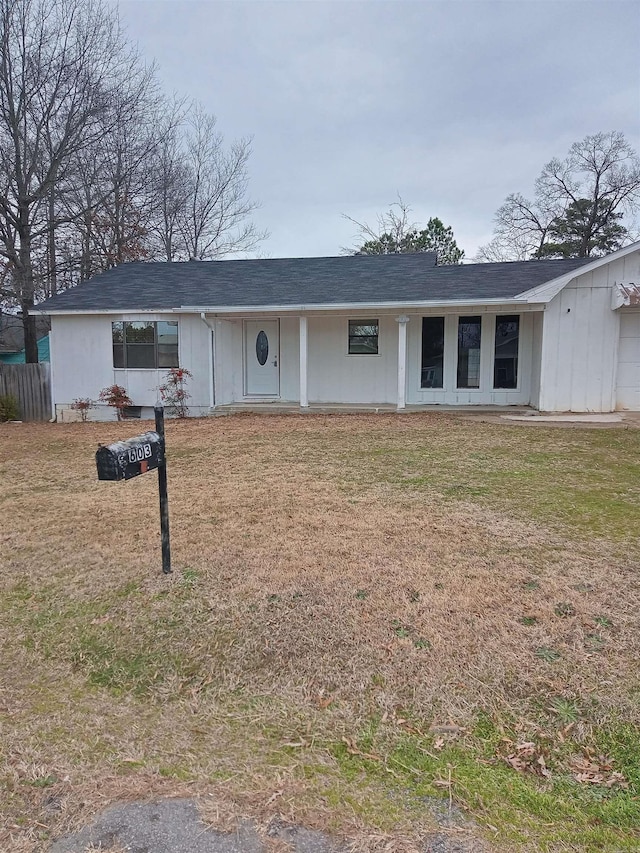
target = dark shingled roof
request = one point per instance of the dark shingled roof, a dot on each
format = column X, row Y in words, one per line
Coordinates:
column 307, row 281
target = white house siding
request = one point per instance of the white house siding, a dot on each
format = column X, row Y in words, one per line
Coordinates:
column 536, row 358
column 628, row 377
column 83, row 363
column 580, row 341
column 485, row 394
column 334, row 376
column 227, row 360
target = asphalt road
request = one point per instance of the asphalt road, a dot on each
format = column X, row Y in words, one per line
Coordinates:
column 174, row 826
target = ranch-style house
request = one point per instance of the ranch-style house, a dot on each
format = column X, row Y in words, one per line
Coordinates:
column 364, row 331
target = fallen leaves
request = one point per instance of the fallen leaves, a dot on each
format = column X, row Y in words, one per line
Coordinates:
column 527, row 758
column 596, row 770
column 588, row 768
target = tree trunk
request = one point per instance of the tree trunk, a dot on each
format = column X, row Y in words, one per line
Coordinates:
column 27, row 286
column 52, row 284
column 30, row 333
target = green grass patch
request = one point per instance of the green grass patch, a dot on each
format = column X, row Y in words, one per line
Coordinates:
column 511, row 805
column 586, row 479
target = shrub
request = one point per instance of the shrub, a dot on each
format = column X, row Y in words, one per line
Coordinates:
column 174, row 393
column 9, row 409
column 116, row 396
column 82, row 405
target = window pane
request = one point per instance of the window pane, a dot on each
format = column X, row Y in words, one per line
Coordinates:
column 469, row 333
column 117, row 332
column 168, row 332
column 505, row 366
column 168, row 343
column 141, row 355
column 363, row 337
column 167, row 355
column 365, row 329
column 117, row 337
column 140, row 333
column 363, row 346
column 432, row 375
column 118, row 355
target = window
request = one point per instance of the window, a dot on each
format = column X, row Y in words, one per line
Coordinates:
column 469, row 335
column 505, row 364
column 363, row 337
column 145, row 345
column 432, row 374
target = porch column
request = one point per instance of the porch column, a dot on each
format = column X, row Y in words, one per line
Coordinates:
column 304, row 394
column 211, row 348
column 402, row 360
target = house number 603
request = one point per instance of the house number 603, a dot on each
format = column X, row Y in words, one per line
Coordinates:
column 137, row 454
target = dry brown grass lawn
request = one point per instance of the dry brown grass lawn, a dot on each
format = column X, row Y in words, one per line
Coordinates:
column 328, row 571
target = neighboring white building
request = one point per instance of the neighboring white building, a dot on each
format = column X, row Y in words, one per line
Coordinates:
column 361, row 330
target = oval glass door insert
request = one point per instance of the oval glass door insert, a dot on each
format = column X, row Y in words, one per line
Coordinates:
column 262, row 348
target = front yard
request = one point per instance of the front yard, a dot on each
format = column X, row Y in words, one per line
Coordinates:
column 371, row 621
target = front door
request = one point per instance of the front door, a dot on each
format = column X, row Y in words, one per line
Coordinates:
column 262, row 358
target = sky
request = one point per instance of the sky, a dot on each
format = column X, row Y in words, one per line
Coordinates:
column 451, row 105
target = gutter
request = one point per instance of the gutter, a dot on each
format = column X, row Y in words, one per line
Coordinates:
column 347, row 306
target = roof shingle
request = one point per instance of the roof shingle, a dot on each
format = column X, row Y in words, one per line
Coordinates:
column 356, row 279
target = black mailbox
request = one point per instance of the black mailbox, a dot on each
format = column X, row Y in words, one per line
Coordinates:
column 126, row 459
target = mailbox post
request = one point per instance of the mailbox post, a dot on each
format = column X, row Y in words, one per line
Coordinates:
column 126, row 459
column 164, row 497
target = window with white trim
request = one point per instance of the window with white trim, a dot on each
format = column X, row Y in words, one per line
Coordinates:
column 432, row 367
column 469, row 338
column 363, row 337
column 505, row 362
column 145, row 344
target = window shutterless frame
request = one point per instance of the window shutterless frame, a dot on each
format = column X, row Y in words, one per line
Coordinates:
column 432, row 353
column 469, row 351
column 145, row 345
column 363, row 337
column 506, row 352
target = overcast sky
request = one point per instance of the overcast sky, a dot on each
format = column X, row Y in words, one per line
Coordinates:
column 451, row 104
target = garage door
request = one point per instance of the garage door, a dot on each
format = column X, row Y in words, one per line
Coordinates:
column 628, row 388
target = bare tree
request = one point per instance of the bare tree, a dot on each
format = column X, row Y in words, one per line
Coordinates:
column 64, row 67
column 397, row 234
column 599, row 178
column 169, row 186
column 521, row 228
column 112, row 188
column 215, row 221
column 387, row 236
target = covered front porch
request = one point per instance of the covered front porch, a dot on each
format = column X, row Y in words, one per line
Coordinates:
column 381, row 360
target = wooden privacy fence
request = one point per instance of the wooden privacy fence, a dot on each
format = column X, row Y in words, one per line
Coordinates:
column 30, row 384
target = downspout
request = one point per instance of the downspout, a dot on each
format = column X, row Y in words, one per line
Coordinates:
column 212, row 392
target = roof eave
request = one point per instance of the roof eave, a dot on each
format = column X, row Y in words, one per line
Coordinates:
column 546, row 291
column 346, row 306
column 304, row 307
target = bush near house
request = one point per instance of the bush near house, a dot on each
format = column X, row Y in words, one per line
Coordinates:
column 174, row 392
column 117, row 397
column 9, row 408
